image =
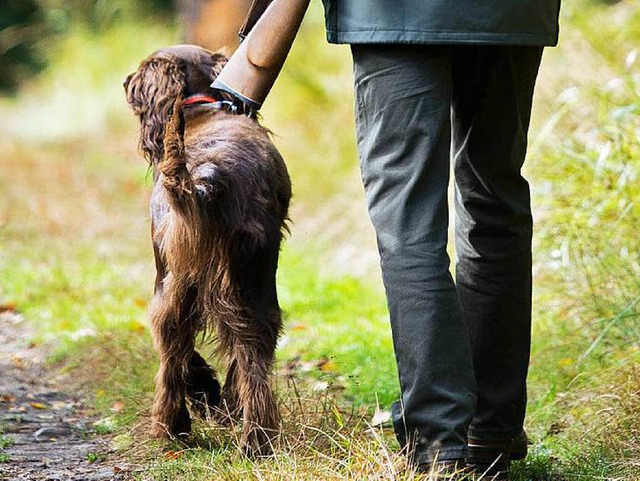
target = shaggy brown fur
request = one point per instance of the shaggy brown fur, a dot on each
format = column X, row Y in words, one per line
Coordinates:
column 218, row 211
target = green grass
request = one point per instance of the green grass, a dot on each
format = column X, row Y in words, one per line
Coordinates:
column 75, row 257
column 4, row 442
column 343, row 321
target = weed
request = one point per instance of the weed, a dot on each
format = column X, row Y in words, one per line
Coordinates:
column 104, row 426
column 95, row 457
column 5, row 441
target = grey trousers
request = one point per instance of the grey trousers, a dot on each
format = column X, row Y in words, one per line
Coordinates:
column 462, row 347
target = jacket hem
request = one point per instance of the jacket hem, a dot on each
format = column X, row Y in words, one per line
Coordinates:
column 404, row 37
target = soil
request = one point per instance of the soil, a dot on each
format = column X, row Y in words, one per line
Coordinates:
column 45, row 432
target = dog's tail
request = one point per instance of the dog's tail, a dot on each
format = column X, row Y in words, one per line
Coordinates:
column 177, row 180
column 183, row 239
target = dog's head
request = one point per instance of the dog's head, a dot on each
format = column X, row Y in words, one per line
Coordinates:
column 162, row 78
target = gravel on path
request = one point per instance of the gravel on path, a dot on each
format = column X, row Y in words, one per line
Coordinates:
column 44, row 431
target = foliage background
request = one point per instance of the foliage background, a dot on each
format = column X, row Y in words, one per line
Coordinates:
column 75, row 259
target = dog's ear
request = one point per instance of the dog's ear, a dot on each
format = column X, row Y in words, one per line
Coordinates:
column 152, row 92
column 218, row 61
column 208, row 68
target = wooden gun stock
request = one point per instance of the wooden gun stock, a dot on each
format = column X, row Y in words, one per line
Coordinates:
column 253, row 68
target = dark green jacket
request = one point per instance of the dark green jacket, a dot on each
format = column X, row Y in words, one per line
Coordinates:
column 507, row 22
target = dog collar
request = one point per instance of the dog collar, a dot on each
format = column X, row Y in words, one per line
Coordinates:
column 226, row 105
column 198, row 99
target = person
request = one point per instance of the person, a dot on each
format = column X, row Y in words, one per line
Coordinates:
column 439, row 81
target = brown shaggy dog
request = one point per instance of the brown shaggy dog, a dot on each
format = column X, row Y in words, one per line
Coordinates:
column 218, row 211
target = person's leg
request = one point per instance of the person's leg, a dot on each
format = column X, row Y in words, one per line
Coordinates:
column 491, row 102
column 403, row 105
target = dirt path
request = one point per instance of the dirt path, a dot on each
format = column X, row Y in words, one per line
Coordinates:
column 44, row 433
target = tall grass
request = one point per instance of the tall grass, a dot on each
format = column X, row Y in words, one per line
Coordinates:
column 585, row 386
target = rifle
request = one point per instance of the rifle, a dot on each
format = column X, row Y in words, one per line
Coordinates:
column 268, row 33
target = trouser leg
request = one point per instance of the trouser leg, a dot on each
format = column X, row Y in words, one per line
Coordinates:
column 403, row 127
column 491, row 107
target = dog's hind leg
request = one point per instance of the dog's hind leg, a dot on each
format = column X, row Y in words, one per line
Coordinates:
column 203, row 389
column 229, row 408
column 253, row 349
column 174, row 326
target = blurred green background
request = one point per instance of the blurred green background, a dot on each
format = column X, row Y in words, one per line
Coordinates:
column 75, row 258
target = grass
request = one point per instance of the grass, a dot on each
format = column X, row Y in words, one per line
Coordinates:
column 4, row 442
column 75, row 257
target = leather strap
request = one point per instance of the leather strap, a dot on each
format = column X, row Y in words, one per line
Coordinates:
column 255, row 12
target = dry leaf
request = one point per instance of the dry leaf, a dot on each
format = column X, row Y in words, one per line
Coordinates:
column 7, row 398
column 327, row 365
column 172, row 454
column 135, row 326
column 566, row 361
column 380, row 417
column 321, row 386
column 82, row 333
column 18, row 362
column 38, row 406
column 8, row 307
column 307, row 366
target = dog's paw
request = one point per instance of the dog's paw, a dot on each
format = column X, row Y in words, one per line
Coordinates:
column 176, row 426
column 203, row 389
column 257, row 441
column 205, row 399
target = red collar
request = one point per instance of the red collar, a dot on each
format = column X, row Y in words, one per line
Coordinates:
column 229, row 106
column 198, row 99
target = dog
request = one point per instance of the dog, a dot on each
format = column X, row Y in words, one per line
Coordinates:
column 219, row 211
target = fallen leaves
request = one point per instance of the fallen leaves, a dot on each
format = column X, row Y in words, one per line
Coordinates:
column 60, row 405
column 140, row 302
column 135, row 326
column 327, row 365
column 380, row 418
column 172, row 455
column 323, row 364
column 82, row 333
column 18, row 361
column 37, row 405
column 321, row 386
column 8, row 307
